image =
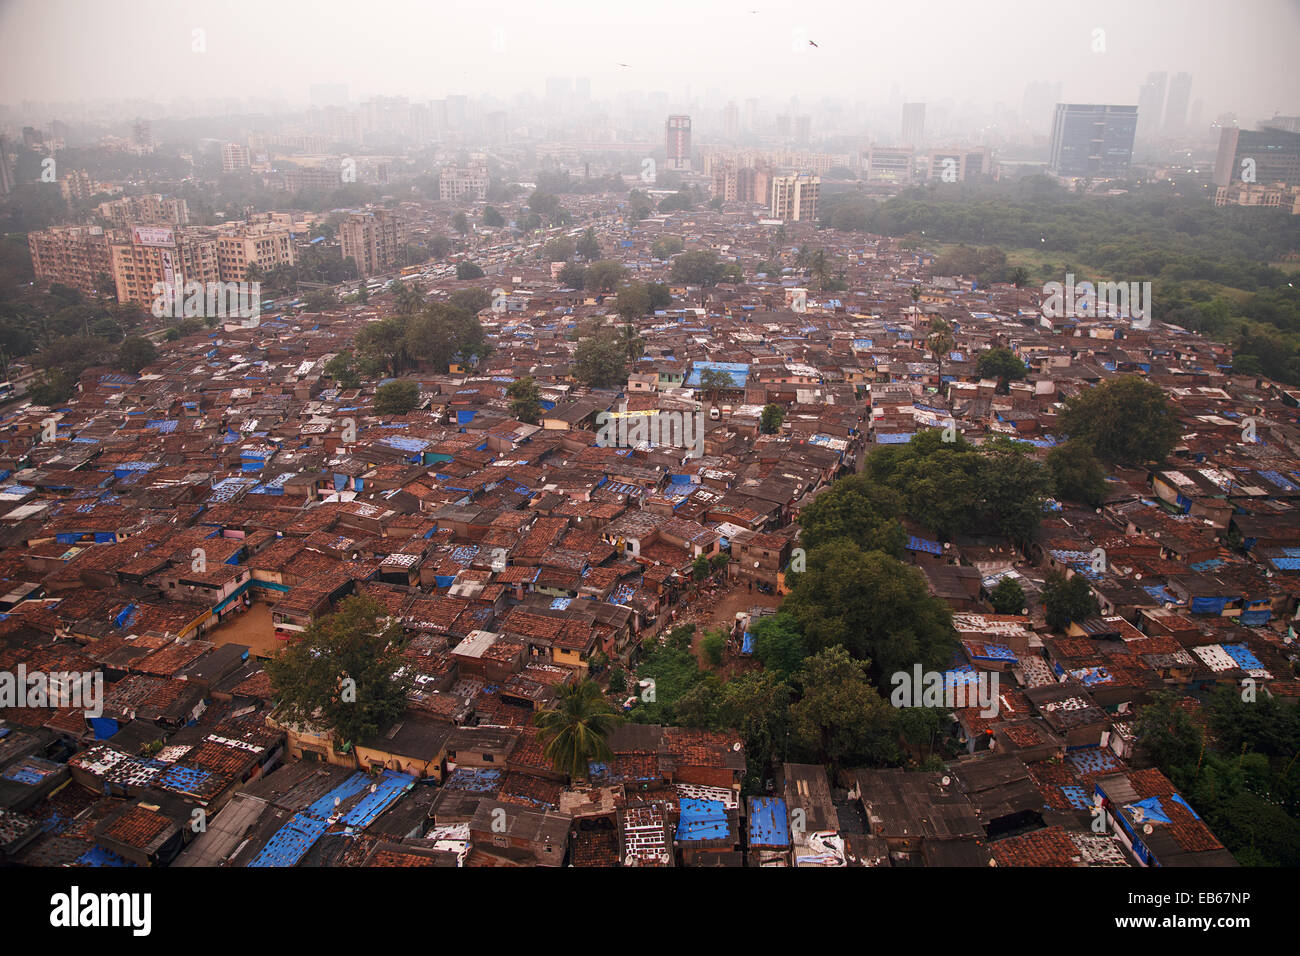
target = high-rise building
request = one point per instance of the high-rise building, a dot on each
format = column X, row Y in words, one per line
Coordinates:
column 329, row 94
column 267, row 245
column 913, row 133
column 726, row 181
column 162, row 254
column 888, row 164
column 1151, row 106
column 142, row 135
column 731, row 121
column 459, row 182
column 77, row 256
column 1265, row 156
column 1037, row 105
column 235, row 157
column 1092, row 140
column 6, row 170
column 959, row 165
column 1180, row 94
column 373, row 240
column 803, row 129
column 677, row 142
column 794, row 197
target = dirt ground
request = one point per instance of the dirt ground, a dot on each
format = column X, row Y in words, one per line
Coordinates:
column 252, row 627
column 709, row 610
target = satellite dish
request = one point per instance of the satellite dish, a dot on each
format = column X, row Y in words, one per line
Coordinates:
column 736, row 746
column 1148, row 829
column 946, row 780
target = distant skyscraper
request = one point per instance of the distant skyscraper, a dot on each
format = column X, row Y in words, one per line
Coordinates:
column 803, row 129
column 677, row 142
column 1039, row 101
column 731, row 121
column 1273, row 155
column 6, row 173
column 1180, row 93
column 1092, row 140
column 1151, row 106
column 794, row 198
column 329, row 94
column 913, row 124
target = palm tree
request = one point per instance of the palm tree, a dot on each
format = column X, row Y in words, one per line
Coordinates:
column 409, row 299
column 576, row 727
column 940, row 342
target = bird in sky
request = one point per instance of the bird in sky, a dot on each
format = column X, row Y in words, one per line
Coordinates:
column 810, row 43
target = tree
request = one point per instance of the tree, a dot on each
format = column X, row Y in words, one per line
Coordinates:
column 343, row 673
column 396, row 398
column 600, row 360
column 573, row 276
column 856, row 509
column 460, row 222
column 135, row 353
column 1068, row 599
column 1127, row 419
column 468, row 270
column 779, row 643
column 342, row 369
column 1014, row 488
column 713, row 645
column 603, row 276
column 757, row 706
column 665, row 247
column 841, row 719
column 1002, row 364
column 1008, row 597
column 525, row 400
column 576, row 728
column 700, row 267
column 407, row 299
column 589, row 246
column 471, row 300
column 939, row 341
column 713, row 382
column 878, row 608
column 773, row 416
column 1076, row 473
column 492, row 218
column 633, row 301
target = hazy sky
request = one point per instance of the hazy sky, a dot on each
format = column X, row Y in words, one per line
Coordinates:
column 1241, row 54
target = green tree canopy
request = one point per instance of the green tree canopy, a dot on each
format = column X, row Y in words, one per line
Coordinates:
column 1068, row 599
column 575, row 729
column 878, row 608
column 1126, row 419
column 342, row 673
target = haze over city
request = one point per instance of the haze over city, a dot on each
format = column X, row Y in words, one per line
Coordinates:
column 1244, row 60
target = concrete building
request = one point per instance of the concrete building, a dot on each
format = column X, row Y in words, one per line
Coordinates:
column 1092, row 140
column 677, row 142
column 794, row 197
column 913, row 132
column 77, row 256
column 463, row 182
column 240, row 245
column 138, row 210
column 162, row 254
column 372, row 239
column 235, row 157
column 1267, row 156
